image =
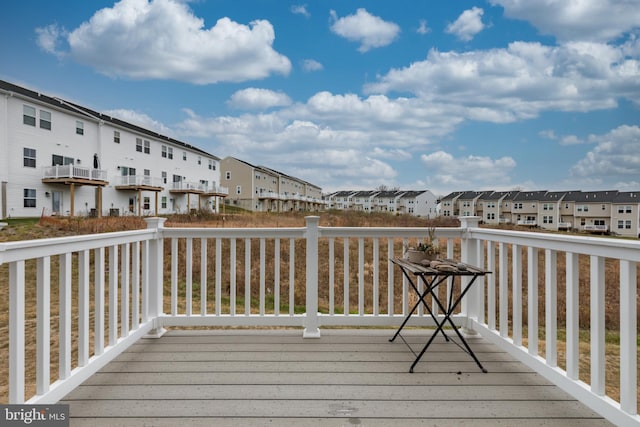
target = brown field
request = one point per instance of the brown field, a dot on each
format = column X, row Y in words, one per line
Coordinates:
column 56, row 227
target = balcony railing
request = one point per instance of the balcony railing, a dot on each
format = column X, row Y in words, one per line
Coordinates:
column 138, row 180
column 596, row 228
column 133, row 284
column 186, row 186
column 213, row 189
column 74, row 171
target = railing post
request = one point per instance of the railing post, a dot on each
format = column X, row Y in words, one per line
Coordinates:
column 469, row 255
column 156, row 278
column 311, row 324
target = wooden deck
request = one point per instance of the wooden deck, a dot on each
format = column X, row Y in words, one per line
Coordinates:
column 346, row 378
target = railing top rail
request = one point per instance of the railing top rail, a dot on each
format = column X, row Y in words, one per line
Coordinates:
column 399, row 232
column 599, row 246
column 29, row 249
column 285, row 232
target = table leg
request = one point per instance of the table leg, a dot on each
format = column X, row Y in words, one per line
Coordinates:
column 447, row 318
column 429, row 288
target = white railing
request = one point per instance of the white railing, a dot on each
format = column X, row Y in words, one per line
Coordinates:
column 253, row 277
column 185, row 185
column 73, row 171
column 138, row 180
column 596, row 228
column 213, row 189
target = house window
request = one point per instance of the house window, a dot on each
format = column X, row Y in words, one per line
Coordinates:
column 147, row 172
column 146, row 203
column 163, row 202
column 127, row 171
column 28, row 115
column 61, row 160
column 116, row 137
column 184, row 155
column 29, row 157
column 169, row 152
column 164, row 177
column 228, row 175
column 147, row 147
column 45, row 120
column 29, row 198
column 79, row 128
column 199, row 160
column 238, row 189
column 212, row 165
column 139, row 145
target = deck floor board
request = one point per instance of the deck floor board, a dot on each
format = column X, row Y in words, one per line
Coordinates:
column 345, row 378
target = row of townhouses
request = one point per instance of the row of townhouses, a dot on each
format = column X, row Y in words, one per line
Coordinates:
column 61, row 158
column 418, row 203
column 261, row 189
column 615, row 212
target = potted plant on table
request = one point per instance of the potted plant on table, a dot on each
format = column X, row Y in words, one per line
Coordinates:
column 427, row 249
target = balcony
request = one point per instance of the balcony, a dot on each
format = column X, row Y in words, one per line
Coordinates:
column 138, row 183
column 73, row 174
column 595, row 228
column 213, row 190
column 185, row 187
column 198, row 278
column 269, row 195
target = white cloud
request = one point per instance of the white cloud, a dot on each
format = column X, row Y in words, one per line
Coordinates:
column 423, row 28
column 300, row 9
column 49, row 38
column 615, row 156
column 311, row 65
column 163, row 39
column 504, row 85
column 468, row 24
column 471, row 172
column 601, row 20
column 258, row 99
column 368, row 30
column 141, row 120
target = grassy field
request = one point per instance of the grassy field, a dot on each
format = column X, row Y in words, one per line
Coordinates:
column 57, row 227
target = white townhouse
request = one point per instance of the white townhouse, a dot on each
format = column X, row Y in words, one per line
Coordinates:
column 60, row 158
column 340, row 200
column 421, row 203
column 418, row 203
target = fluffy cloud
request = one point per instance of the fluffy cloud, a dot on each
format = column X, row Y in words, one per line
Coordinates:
column 311, row 65
column 258, row 99
column 368, row 30
column 162, row 39
column 140, row 119
column 615, row 156
column 300, row 9
column 468, row 24
column 504, row 85
column 601, row 20
column 471, row 172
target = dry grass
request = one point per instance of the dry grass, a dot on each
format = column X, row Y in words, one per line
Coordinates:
column 56, row 227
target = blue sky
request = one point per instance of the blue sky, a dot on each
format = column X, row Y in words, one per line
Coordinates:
column 438, row 95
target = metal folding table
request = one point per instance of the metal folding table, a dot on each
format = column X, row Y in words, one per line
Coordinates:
column 432, row 277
